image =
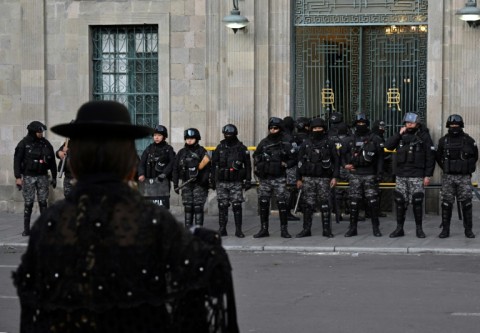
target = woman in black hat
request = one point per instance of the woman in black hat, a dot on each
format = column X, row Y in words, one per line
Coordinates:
column 105, row 260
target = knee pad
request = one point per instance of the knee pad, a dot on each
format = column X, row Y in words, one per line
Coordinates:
column 188, row 209
column 282, row 205
column 223, row 205
column 372, row 201
column 417, row 198
column 198, row 209
column 264, row 201
column 447, row 205
column 398, row 197
column 353, row 205
column 324, row 207
column 237, row 206
column 466, row 204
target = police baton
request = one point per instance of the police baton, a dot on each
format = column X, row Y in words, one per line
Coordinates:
column 298, row 200
column 186, row 183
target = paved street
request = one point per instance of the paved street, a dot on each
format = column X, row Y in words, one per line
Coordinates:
column 334, row 292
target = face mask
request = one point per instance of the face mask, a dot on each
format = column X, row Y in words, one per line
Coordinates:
column 411, row 130
column 455, row 130
column 361, row 128
column 318, row 135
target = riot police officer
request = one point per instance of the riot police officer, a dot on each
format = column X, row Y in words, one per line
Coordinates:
column 457, row 155
column 155, row 168
column 192, row 167
column 414, row 165
column 317, row 172
column 362, row 158
column 231, row 171
column 33, row 157
column 271, row 159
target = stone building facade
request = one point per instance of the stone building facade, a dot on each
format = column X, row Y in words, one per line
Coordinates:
column 207, row 75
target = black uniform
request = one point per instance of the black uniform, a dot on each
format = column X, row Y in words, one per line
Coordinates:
column 194, row 193
column 415, row 160
column 231, row 172
column 457, row 155
column 32, row 159
column 273, row 156
column 156, row 165
column 363, row 150
column 318, row 163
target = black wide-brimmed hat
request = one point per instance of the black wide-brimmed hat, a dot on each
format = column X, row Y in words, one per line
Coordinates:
column 102, row 119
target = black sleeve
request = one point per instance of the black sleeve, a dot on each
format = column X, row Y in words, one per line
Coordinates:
column 393, row 141
column 171, row 160
column 52, row 163
column 439, row 153
column 143, row 162
column 429, row 156
column 335, row 160
column 18, row 160
column 248, row 165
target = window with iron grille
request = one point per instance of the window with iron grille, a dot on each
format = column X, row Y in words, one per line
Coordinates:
column 125, row 69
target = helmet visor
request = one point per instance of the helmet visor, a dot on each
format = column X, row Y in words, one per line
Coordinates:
column 190, row 133
column 455, row 118
column 410, row 118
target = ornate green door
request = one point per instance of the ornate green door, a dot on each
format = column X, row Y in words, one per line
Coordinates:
column 361, row 56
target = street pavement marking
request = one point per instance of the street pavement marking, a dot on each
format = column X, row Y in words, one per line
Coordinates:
column 8, row 266
column 466, row 314
column 8, row 297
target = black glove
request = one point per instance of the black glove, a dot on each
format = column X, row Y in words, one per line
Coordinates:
column 19, row 187
column 247, row 185
column 53, row 182
column 212, row 185
column 161, row 177
column 176, row 189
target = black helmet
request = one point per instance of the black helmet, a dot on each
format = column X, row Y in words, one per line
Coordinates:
column 230, row 129
column 36, row 126
column 288, row 123
column 336, row 118
column 361, row 117
column 275, row 122
column 455, row 119
column 191, row 133
column 160, row 129
column 318, row 122
column 302, row 122
column 411, row 117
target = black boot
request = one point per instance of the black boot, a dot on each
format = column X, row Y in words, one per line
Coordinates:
column 237, row 216
column 198, row 210
column 374, row 208
column 417, row 203
column 352, row 229
column 27, row 213
column 400, row 212
column 222, row 218
column 282, row 211
column 467, row 218
column 446, row 218
column 264, row 205
column 307, row 222
column 188, row 216
column 326, row 220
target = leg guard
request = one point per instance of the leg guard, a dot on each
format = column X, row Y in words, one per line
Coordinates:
column 307, row 222
column 188, row 216
column 374, row 207
column 264, row 205
column 42, row 205
column 237, row 216
column 326, row 220
column 401, row 209
column 446, row 218
column 282, row 210
column 417, row 203
column 467, row 218
column 27, row 213
column 352, row 229
column 198, row 210
column 222, row 217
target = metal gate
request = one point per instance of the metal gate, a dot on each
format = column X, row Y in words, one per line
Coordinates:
column 378, row 70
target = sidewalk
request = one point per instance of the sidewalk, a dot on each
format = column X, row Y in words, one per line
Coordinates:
column 11, row 226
